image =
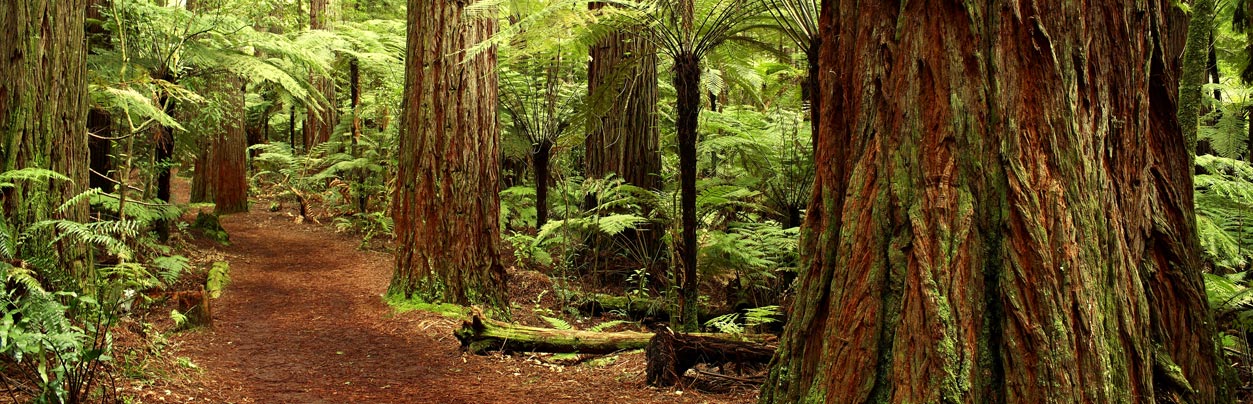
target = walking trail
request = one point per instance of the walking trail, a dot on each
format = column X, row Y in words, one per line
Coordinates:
column 303, row 321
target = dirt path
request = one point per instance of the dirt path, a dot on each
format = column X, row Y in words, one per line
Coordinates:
column 303, row 322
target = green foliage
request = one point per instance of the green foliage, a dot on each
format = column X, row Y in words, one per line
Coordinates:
column 1224, row 209
column 219, row 276
column 557, row 323
column 727, row 324
column 527, row 250
column 602, row 327
column 739, row 323
column 755, row 252
column 400, row 304
column 55, row 330
column 517, row 207
column 209, row 225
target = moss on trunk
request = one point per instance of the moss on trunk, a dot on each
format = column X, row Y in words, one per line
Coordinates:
column 1002, row 211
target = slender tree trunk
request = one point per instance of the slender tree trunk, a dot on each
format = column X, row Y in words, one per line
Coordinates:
column 1002, row 212
column 1212, row 67
column 1195, row 69
column 320, row 123
column 446, row 203
column 811, row 89
column 291, row 127
column 43, row 113
column 100, row 149
column 541, row 154
column 354, row 82
column 163, row 145
column 687, row 88
column 99, row 121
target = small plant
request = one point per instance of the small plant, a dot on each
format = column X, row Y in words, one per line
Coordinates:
column 219, row 276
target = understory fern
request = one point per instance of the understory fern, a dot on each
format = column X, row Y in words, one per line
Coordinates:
column 1224, row 211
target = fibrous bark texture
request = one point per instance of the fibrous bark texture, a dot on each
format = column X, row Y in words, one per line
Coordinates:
column 687, row 91
column 447, row 201
column 221, row 175
column 625, row 139
column 230, row 153
column 622, row 79
column 43, row 106
column 1002, row 211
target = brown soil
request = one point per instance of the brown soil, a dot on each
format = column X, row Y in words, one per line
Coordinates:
column 303, row 321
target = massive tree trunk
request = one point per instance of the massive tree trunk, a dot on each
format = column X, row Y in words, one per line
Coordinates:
column 447, row 199
column 320, row 122
column 43, row 110
column 230, row 152
column 626, row 140
column 1002, row 211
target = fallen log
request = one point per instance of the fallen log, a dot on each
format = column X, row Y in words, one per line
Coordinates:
column 636, row 308
column 646, row 308
column 633, row 307
column 671, row 354
column 481, row 335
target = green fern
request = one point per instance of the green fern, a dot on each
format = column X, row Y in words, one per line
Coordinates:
column 1224, row 209
column 607, row 325
column 557, row 323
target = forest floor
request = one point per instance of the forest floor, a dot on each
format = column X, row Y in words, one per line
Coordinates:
column 303, row 321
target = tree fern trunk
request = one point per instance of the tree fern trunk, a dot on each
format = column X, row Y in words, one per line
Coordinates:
column 446, row 202
column 687, row 87
column 1002, row 212
column 541, row 154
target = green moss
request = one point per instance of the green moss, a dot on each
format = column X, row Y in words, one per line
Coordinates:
column 402, row 305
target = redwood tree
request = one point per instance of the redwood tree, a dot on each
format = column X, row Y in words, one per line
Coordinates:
column 43, row 106
column 625, row 139
column 1002, row 212
column 43, row 124
column 230, row 153
column 320, row 122
column 446, row 201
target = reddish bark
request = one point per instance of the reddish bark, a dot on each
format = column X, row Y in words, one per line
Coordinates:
column 1002, row 211
column 447, row 200
column 230, row 154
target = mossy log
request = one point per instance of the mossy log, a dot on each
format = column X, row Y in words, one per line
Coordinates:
column 671, row 354
column 481, row 335
column 632, row 307
column 645, row 308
